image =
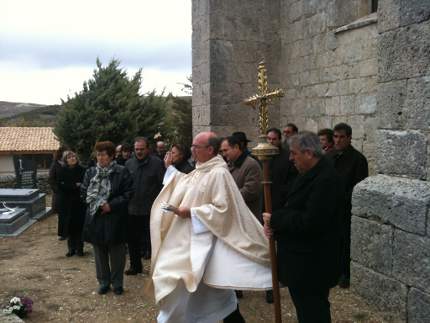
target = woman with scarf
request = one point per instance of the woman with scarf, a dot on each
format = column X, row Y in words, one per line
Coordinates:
column 70, row 206
column 106, row 189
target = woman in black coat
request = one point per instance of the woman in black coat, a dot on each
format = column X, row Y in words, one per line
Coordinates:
column 70, row 206
column 106, row 189
column 54, row 170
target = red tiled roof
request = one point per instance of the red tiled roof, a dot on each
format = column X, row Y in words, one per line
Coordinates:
column 27, row 139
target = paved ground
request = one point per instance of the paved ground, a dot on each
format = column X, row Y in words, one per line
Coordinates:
column 63, row 289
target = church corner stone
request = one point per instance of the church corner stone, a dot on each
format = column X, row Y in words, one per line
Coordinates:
column 383, row 292
column 418, row 306
column 395, row 159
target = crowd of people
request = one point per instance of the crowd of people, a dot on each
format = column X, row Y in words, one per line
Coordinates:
column 198, row 213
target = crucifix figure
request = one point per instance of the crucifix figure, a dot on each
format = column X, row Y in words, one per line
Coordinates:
column 264, row 151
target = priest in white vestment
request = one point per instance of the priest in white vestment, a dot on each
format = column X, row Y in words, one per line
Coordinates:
column 205, row 242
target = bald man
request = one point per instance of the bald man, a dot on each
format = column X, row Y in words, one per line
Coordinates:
column 200, row 250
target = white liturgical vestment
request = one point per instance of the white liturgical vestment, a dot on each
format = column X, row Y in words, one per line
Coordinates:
column 197, row 262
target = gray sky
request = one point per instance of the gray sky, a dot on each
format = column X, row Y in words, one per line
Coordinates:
column 48, row 48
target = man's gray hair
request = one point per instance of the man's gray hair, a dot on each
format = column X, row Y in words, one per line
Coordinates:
column 307, row 140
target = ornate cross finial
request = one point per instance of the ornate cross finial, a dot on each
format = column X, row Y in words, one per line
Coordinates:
column 263, row 98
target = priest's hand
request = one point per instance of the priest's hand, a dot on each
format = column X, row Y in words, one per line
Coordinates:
column 267, row 229
column 183, row 212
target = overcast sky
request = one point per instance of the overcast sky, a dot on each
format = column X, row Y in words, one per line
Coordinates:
column 48, row 48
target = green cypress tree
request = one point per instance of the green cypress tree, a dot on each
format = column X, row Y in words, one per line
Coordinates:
column 105, row 109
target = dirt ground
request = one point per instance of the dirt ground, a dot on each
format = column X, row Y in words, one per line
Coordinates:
column 64, row 289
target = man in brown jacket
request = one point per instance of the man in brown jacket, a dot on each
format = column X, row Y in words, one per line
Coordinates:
column 246, row 173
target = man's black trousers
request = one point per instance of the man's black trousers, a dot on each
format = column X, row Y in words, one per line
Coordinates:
column 138, row 229
column 312, row 306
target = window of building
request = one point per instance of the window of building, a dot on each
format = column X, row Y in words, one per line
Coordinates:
column 348, row 11
column 374, row 5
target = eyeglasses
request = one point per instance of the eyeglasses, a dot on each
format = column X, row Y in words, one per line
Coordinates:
column 199, row 146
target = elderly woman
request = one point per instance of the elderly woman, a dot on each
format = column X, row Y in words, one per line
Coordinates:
column 178, row 157
column 70, row 206
column 107, row 188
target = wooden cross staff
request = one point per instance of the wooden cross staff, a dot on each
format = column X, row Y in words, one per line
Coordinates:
column 264, row 151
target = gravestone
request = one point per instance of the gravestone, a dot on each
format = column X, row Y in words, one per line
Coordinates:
column 14, row 221
column 25, row 171
column 32, row 200
column 20, row 208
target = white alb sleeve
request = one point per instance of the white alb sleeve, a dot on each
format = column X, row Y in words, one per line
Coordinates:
column 198, row 226
column 168, row 175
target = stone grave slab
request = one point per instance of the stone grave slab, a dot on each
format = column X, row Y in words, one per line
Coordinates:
column 32, row 200
column 14, row 221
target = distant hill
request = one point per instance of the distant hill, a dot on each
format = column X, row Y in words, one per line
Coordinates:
column 27, row 114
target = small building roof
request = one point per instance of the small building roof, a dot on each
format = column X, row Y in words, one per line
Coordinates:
column 27, row 140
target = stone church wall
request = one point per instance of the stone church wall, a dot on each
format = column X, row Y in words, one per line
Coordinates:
column 329, row 71
column 337, row 62
column 229, row 39
column 328, row 74
column 390, row 227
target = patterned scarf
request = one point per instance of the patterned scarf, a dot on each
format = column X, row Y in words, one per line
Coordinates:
column 99, row 188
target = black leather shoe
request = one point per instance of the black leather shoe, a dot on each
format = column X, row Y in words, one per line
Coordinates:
column 70, row 253
column 132, row 272
column 269, row 296
column 118, row 290
column 103, row 290
column 61, row 238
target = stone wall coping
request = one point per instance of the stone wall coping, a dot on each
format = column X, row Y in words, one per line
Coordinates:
column 359, row 23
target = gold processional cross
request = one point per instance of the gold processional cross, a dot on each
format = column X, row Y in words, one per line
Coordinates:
column 264, row 151
column 262, row 100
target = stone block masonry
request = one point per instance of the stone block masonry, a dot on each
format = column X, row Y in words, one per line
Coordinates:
column 390, row 244
column 337, row 62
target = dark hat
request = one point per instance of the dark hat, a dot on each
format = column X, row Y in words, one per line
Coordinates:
column 241, row 136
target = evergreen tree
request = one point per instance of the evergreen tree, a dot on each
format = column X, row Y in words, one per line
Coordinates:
column 149, row 118
column 106, row 109
column 179, row 120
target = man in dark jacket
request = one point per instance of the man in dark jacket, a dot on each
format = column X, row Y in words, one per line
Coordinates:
column 352, row 168
column 124, row 154
column 307, row 231
column 282, row 173
column 282, row 170
column 246, row 172
column 147, row 172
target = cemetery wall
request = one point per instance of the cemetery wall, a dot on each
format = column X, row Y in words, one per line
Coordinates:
column 9, row 181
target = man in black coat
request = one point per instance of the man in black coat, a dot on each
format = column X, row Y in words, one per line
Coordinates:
column 307, row 231
column 352, row 168
column 282, row 170
column 147, row 172
column 283, row 174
